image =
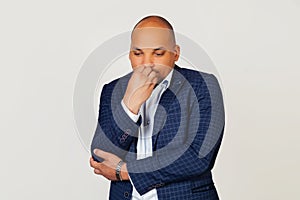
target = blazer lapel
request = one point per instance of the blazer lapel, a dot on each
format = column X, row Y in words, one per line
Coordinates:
column 165, row 102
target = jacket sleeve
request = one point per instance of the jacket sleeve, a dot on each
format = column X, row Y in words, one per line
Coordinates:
column 197, row 153
column 115, row 130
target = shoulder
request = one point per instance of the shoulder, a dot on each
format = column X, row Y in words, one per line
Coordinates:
column 197, row 78
column 118, row 83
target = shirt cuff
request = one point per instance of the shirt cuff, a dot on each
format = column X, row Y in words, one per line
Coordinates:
column 132, row 116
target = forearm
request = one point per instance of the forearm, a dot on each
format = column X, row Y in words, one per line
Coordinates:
column 115, row 130
column 153, row 172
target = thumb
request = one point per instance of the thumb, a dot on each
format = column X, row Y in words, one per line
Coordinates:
column 101, row 154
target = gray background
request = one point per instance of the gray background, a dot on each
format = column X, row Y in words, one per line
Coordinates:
column 254, row 45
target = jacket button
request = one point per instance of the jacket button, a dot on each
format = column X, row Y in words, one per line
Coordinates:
column 128, row 131
column 126, row 194
column 122, row 140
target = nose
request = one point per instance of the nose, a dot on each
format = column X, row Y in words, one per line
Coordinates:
column 148, row 60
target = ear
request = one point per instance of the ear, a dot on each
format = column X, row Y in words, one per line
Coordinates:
column 176, row 52
column 130, row 54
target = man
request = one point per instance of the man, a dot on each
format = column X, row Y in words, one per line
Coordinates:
column 160, row 126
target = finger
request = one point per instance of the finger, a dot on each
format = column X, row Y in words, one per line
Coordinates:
column 139, row 68
column 147, row 71
column 149, row 84
column 102, row 154
column 153, row 78
column 91, row 160
column 152, row 75
column 97, row 171
column 93, row 164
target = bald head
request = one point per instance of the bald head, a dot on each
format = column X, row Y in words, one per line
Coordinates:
column 153, row 31
column 154, row 21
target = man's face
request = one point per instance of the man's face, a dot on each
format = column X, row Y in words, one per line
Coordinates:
column 153, row 47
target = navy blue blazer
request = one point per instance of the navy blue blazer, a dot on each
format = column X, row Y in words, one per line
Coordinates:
column 188, row 129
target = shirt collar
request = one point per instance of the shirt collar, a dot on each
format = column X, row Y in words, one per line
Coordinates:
column 167, row 79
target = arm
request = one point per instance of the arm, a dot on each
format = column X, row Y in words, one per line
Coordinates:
column 115, row 129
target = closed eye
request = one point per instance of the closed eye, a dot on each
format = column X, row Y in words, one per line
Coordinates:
column 159, row 53
column 137, row 53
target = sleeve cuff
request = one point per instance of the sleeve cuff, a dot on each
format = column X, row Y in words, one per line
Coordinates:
column 132, row 116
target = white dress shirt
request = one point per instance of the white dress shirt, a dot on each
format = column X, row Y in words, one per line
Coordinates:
column 144, row 143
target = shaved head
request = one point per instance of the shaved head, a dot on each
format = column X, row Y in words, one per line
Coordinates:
column 153, row 28
column 154, row 21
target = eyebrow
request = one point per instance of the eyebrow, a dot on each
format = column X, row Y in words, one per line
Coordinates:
column 156, row 49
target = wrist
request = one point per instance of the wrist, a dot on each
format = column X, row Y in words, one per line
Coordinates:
column 134, row 108
column 124, row 172
column 121, row 171
column 118, row 171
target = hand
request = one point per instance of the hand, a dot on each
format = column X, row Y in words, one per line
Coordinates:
column 107, row 168
column 140, row 87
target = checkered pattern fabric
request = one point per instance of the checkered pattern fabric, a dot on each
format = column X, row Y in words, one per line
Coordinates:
column 188, row 129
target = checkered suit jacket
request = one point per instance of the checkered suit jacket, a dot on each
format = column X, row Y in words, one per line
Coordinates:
column 188, row 129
